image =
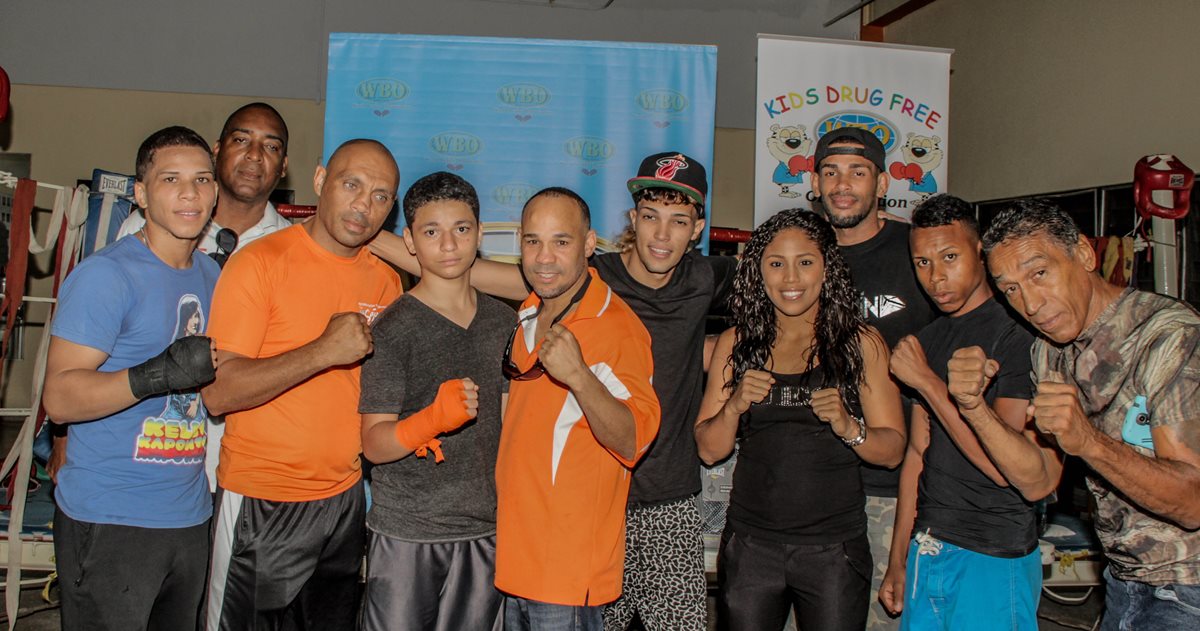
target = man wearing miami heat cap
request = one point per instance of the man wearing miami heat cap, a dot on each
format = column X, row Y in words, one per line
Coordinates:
column 850, row 179
column 671, row 287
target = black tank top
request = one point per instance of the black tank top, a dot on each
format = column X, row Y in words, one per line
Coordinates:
column 795, row 480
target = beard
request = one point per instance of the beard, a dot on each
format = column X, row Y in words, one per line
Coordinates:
column 550, row 293
column 846, row 221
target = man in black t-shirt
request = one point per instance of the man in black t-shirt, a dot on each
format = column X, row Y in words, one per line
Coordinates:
column 973, row 561
column 850, row 179
column 671, row 288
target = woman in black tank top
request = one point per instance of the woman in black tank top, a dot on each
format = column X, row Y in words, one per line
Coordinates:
column 801, row 384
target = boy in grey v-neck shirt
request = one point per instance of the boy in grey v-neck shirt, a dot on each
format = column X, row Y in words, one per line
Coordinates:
column 431, row 405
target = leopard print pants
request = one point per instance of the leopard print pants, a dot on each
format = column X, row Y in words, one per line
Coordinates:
column 664, row 580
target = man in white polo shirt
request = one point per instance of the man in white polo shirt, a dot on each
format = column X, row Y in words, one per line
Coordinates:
column 251, row 158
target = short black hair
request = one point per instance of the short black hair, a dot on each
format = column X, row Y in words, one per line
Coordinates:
column 1027, row 217
column 174, row 136
column 438, row 187
column 257, row 105
column 562, row 191
column 944, row 209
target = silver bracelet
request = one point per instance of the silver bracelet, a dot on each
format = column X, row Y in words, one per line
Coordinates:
column 862, row 433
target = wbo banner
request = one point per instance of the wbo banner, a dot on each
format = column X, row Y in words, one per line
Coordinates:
column 809, row 87
column 513, row 116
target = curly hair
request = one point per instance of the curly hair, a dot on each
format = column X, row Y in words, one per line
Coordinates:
column 839, row 321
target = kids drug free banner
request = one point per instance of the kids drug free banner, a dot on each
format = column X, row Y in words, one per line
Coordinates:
column 809, row 87
column 513, row 116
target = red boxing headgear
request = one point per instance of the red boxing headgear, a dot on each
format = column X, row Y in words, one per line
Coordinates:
column 1162, row 187
column 4, row 89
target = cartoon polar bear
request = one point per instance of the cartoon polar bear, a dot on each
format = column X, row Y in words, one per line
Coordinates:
column 790, row 146
column 922, row 155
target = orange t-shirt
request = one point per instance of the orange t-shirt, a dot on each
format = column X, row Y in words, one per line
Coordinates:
column 560, row 519
column 277, row 294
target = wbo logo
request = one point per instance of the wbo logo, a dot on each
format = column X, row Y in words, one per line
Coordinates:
column 513, row 194
column 456, row 144
column 661, row 101
column 885, row 131
column 382, row 90
column 523, row 95
column 589, row 148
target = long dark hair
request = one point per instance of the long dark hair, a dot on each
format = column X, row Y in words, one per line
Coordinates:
column 839, row 321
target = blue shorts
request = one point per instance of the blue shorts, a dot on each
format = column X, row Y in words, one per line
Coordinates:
column 948, row 587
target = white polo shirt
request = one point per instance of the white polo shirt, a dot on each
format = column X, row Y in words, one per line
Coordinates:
column 271, row 221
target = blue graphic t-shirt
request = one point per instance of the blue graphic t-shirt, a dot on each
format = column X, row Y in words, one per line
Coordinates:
column 142, row 466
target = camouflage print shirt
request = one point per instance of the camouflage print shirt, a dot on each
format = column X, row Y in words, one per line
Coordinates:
column 1140, row 358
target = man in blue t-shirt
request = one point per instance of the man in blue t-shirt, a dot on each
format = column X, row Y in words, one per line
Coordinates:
column 964, row 549
column 131, row 531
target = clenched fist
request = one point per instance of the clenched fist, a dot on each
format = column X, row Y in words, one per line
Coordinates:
column 908, row 362
column 561, row 356
column 827, row 405
column 346, row 339
column 967, row 376
column 1057, row 411
column 754, row 387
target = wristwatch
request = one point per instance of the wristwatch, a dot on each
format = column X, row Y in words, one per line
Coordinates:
column 862, row 433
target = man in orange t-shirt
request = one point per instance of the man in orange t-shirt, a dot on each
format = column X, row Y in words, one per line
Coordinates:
column 290, row 320
column 581, row 412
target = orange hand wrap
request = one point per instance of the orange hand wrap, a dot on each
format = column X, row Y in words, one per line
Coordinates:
column 447, row 413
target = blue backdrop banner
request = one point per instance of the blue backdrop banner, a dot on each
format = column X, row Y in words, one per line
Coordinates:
column 513, row 116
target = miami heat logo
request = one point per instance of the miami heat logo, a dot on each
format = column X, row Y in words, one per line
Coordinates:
column 668, row 166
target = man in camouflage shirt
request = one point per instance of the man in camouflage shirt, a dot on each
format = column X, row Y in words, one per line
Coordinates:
column 1117, row 373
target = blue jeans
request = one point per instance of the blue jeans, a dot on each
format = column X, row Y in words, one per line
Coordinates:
column 521, row 614
column 1130, row 605
column 947, row 587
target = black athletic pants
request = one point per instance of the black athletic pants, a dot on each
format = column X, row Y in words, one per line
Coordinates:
column 286, row 565
column 126, row 578
column 828, row 585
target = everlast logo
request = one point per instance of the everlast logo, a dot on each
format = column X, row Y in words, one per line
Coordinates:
column 382, row 90
column 589, row 148
column 523, row 95
column 512, row 195
column 668, row 101
column 456, row 143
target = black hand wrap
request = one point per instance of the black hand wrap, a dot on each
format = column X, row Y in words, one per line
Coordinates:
column 184, row 365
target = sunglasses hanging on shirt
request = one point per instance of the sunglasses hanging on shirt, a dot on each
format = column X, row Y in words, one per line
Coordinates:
column 510, row 369
column 227, row 241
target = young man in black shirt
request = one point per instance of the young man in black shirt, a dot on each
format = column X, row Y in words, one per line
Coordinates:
column 671, row 287
column 972, row 561
column 850, row 179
